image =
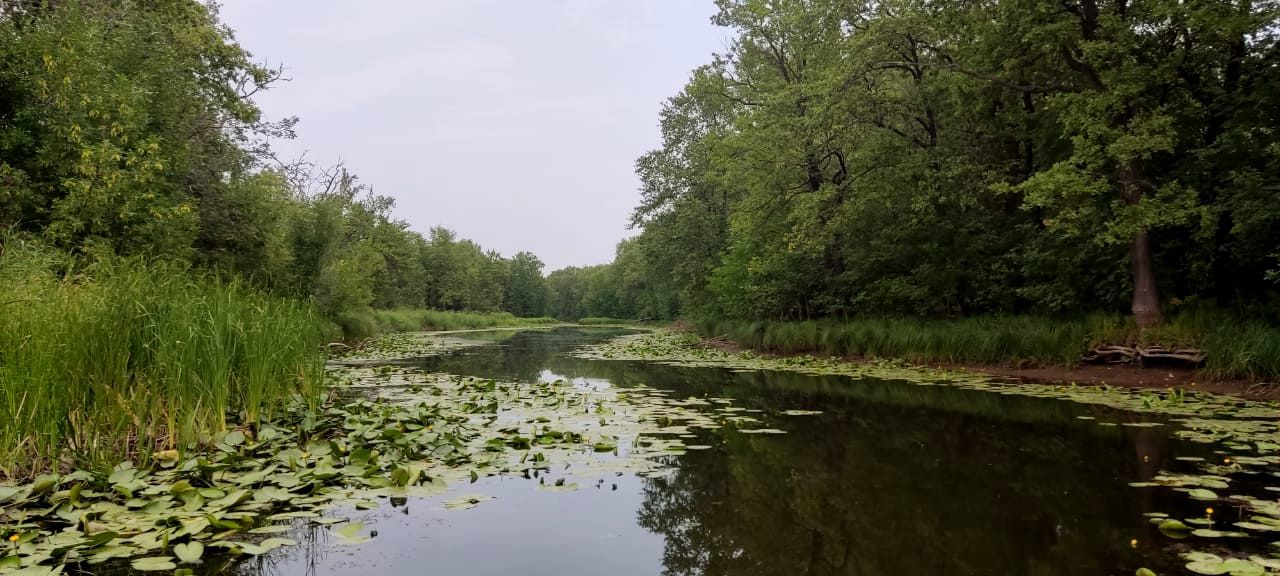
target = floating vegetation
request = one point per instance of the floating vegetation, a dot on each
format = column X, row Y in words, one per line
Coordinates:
column 398, row 432
column 402, row 346
column 1247, row 431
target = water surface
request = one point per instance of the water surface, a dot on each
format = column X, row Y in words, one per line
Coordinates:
column 891, row 478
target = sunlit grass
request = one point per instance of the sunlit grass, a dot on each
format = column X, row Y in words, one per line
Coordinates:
column 124, row 358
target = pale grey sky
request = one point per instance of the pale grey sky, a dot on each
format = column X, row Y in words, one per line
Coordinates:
column 514, row 122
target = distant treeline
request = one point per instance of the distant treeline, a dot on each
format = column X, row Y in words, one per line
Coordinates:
column 128, row 129
column 949, row 159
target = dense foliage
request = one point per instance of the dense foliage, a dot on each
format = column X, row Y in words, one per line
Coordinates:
column 131, row 357
column 847, row 158
column 128, row 128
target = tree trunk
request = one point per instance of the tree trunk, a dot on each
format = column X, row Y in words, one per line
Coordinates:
column 1146, row 302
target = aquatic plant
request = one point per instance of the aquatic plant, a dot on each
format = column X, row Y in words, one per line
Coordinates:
column 391, row 431
column 1246, row 432
column 126, row 357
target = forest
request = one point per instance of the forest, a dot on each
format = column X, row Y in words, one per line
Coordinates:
column 863, row 224
column 951, row 159
column 128, row 130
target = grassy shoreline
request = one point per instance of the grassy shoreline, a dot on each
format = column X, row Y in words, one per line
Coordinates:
column 1234, row 348
column 415, row 320
column 126, row 358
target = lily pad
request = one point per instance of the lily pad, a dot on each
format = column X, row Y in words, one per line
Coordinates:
column 154, row 564
column 189, row 553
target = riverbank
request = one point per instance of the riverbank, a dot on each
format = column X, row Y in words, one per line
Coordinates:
column 1236, row 352
column 125, row 358
column 1084, row 374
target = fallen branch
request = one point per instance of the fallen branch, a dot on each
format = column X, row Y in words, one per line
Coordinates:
column 1129, row 355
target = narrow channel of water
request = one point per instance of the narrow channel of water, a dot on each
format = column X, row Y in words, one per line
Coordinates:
column 889, row 479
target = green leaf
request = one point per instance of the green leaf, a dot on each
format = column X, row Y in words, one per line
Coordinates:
column 233, row 438
column 189, row 553
column 153, row 564
column 1202, row 494
column 349, row 534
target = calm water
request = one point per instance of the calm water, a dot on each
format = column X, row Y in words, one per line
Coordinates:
column 891, row 479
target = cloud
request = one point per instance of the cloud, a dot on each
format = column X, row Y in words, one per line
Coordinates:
column 442, row 68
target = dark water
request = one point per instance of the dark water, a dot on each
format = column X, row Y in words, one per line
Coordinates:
column 892, row 479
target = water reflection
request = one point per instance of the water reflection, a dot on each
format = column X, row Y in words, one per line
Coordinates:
column 891, row 479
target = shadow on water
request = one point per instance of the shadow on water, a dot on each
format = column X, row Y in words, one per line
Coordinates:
column 891, row 478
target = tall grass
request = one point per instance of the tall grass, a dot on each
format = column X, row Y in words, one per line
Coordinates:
column 1234, row 348
column 411, row 320
column 124, row 358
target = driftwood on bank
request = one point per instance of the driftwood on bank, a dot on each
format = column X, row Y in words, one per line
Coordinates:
column 1145, row 355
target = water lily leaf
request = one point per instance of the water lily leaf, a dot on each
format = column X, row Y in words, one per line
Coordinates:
column 1238, row 567
column 233, row 438
column 1202, row 494
column 192, row 527
column 1144, row 572
column 274, row 529
column 189, row 553
column 802, row 412
column 37, row 570
column 1210, row 568
column 274, row 543
column 230, row 500
column 1271, row 563
column 350, row 534
column 1210, row 533
column 1258, row 526
column 100, row 538
column 465, row 502
column 400, row 476
column 263, row 547
column 272, row 494
column 122, row 474
column 153, row 564
column 11, row 492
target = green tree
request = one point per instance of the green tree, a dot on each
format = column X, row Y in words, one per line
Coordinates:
column 526, row 289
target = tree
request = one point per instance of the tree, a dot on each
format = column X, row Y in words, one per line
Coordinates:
column 526, row 288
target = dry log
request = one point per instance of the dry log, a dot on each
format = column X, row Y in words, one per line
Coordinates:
column 1159, row 354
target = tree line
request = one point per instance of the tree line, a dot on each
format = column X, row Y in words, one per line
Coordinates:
column 847, row 157
column 128, row 128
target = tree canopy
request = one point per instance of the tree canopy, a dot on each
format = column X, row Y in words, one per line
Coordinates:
column 128, row 127
column 956, row 158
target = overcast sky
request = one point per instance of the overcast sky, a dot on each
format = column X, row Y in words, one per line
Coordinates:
column 514, row 122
